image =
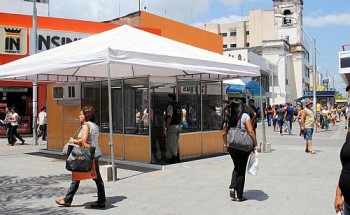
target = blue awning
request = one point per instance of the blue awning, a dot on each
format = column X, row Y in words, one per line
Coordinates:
column 233, row 88
column 254, row 88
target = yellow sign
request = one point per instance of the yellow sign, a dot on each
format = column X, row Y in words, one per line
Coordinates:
column 320, row 88
column 13, row 40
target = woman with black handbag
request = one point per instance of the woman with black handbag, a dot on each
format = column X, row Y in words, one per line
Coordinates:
column 239, row 156
column 87, row 137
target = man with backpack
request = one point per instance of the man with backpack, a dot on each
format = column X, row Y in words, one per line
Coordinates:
column 172, row 128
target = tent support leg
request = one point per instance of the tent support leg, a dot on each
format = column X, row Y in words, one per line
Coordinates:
column 111, row 144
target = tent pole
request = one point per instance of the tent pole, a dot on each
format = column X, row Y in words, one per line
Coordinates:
column 263, row 147
column 111, row 144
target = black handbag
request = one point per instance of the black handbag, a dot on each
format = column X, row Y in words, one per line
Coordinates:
column 238, row 138
column 79, row 159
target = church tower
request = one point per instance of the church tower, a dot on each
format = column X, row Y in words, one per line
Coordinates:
column 288, row 22
column 287, row 27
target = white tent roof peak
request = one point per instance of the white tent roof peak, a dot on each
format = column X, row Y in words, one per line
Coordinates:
column 131, row 52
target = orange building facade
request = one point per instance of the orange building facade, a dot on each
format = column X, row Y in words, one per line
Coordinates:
column 173, row 30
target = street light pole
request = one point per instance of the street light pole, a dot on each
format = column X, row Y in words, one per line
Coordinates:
column 273, row 74
column 35, row 84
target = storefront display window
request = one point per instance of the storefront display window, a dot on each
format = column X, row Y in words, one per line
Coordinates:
column 212, row 105
column 117, row 111
column 189, row 99
column 136, row 106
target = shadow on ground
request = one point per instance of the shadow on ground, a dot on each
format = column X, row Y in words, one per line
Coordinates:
column 17, row 193
column 110, row 203
column 257, row 195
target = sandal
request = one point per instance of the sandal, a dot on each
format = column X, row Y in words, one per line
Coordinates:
column 98, row 205
column 233, row 195
column 61, row 202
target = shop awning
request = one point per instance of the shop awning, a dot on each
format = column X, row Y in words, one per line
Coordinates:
column 235, row 89
column 254, row 88
column 127, row 52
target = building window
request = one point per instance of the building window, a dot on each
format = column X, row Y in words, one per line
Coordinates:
column 224, row 34
column 233, row 45
column 233, row 33
column 224, row 46
column 247, row 33
column 286, row 81
column 247, row 44
column 287, row 20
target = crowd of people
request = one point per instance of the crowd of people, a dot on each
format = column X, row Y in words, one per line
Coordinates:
column 282, row 116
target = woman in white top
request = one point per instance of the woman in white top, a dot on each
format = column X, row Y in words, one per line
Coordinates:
column 14, row 125
column 88, row 137
column 239, row 157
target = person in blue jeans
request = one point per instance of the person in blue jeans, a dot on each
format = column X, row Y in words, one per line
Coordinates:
column 288, row 117
column 269, row 113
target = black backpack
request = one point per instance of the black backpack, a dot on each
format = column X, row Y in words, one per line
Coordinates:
column 177, row 114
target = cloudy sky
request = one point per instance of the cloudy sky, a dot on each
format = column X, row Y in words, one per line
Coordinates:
column 327, row 21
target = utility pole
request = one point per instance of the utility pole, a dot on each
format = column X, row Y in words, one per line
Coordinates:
column 35, row 84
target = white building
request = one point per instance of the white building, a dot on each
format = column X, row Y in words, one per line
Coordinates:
column 25, row 7
column 274, row 39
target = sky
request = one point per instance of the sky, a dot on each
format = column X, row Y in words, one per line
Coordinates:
column 326, row 21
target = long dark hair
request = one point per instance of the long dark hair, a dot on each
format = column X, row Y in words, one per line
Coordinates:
column 236, row 110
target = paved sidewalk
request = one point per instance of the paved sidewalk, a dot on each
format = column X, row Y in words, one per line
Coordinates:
column 289, row 182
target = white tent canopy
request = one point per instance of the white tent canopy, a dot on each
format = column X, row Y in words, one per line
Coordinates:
column 130, row 52
column 125, row 52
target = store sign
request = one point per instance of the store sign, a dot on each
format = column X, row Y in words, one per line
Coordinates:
column 13, row 40
column 48, row 39
column 13, row 89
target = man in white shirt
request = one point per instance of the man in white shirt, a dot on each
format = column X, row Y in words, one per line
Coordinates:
column 42, row 122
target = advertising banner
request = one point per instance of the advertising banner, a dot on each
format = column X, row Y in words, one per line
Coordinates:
column 13, row 40
column 48, row 39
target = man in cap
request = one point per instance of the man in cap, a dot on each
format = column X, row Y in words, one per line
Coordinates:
column 307, row 125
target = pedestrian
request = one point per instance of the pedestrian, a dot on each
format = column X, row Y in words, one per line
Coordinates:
column 239, row 157
column 269, row 114
column 300, row 113
column 251, row 104
column 87, row 136
column 42, row 122
column 343, row 186
column 275, row 118
column 326, row 116
column 7, row 124
column 14, row 125
column 280, row 118
column 173, row 117
column 288, row 117
column 214, row 120
column 307, row 124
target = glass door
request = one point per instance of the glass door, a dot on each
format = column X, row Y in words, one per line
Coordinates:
column 160, row 88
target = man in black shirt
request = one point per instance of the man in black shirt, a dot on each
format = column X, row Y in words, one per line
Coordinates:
column 172, row 128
